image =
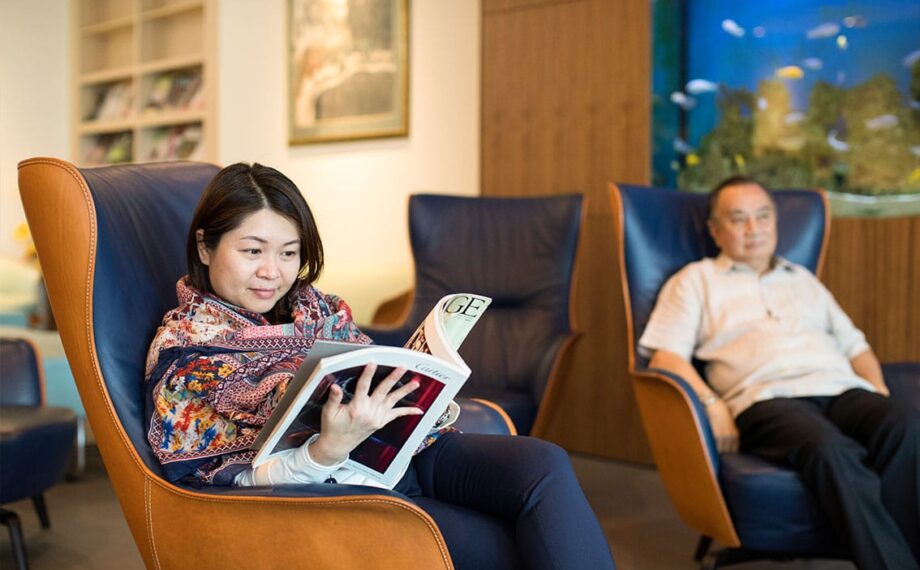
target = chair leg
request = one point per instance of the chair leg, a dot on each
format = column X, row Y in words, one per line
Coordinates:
column 42, row 510
column 11, row 520
column 702, row 547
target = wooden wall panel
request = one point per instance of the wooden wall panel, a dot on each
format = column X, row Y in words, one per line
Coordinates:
column 873, row 269
column 566, row 108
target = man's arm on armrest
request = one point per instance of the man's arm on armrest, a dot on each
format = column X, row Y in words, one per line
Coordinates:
column 866, row 365
column 720, row 418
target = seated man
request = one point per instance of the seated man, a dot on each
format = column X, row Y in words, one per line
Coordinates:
column 792, row 379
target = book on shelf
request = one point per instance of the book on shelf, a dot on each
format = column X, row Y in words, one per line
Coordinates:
column 180, row 142
column 111, row 102
column 111, row 148
column 430, row 358
column 175, row 91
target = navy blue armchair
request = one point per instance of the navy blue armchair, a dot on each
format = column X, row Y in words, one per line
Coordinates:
column 111, row 242
column 519, row 251
column 36, row 441
column 752, row 507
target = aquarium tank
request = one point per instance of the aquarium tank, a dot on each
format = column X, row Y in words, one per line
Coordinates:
column 793, row 93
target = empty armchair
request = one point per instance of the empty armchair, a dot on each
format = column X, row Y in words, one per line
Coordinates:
column 751, row 506
column 36, row 441
column 520, row 252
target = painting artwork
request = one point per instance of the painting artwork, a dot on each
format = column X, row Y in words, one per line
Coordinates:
column 347, row 69
column 821, row 93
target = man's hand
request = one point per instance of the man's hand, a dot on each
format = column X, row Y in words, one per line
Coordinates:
column 720, row 418
column 344, row 426
column 723, row 427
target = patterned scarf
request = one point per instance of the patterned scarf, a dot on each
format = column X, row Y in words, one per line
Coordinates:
column 216, row 371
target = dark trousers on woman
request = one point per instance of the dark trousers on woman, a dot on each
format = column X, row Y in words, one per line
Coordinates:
column 506, row 502
column 859, row 453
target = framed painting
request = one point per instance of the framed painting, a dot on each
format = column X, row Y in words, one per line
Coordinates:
column 348, row 70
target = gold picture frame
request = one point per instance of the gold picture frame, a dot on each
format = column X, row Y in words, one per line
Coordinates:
column 348, row 70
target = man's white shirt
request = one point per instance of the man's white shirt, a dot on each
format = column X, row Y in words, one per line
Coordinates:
column 780, row 334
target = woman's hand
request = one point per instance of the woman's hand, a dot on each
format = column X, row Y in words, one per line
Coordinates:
column 344, row 426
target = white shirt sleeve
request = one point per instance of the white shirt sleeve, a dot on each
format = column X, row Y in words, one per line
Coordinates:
column 289, row 467
column 675, row 322
column 850, row 340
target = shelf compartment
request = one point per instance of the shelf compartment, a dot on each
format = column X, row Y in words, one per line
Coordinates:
column 167, row 9
column 108, row 148
column 175, row 35
column 174, row 142
column 105, row 52
column 100, row 12
column 107, row 26
column 171, row 64
column 108, row 102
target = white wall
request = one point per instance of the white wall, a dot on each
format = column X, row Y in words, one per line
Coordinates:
column 34, row 97
column 358, row 190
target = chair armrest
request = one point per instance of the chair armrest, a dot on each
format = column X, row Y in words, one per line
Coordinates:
column 322, row 526
column 478, row 415
column 388, row 336
column 903, row 380
column 699, row 412
column 684, row 451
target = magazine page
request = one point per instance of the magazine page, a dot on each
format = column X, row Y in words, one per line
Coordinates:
column 447, row 326
column 321, row 349
column 384, row 455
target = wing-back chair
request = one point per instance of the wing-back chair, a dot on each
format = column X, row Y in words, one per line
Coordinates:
column 36, row 441
column 519, row 251
column 752, row 507
column 111, row 242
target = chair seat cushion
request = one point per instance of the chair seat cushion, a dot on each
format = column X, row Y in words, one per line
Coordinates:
column 35, row 444
column 519, row 406
column 771, row 508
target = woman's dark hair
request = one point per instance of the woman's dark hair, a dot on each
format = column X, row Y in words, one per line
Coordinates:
column 238, row 191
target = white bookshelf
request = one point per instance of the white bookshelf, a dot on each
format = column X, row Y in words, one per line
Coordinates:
column 144, row 85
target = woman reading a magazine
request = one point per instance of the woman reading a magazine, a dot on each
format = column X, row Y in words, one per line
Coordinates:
column 248, row 315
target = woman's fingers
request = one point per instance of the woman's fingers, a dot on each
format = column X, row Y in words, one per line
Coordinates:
column 387, row 383
column 335, row 396
column 403, row 411
column 363, row 386
column 400, row 393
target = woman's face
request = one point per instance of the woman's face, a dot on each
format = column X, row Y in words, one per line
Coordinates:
column 254, row 265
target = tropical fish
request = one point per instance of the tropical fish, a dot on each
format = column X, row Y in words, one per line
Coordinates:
column 683, row 101
column 693, row 159
column 813, row 63
column 681, row 146
column 794, row 118
column 739, row 160
column 911, row 58
column 732, row 28
column 836, row 143
column 826, row 30
column 790, row 72
column 759, row 32
column 842, row 42
column 697, row 86
column 881, row 122
column 856, row 21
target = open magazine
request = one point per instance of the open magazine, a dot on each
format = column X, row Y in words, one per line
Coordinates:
column 430, row 357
